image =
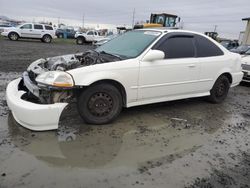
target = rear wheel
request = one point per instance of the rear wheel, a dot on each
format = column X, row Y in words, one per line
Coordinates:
column 46, row 39
column 80, row 40
column 100, row 104
column 220, row 90
column 13, row 36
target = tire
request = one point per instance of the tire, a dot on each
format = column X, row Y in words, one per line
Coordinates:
column 47, row 39
column 220, row 90
column 80, row 40
column 100, row 104
column 13, row 36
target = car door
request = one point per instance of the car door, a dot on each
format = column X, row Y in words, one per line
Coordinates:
column 38, row 31
column 98, row 36
column 177, row 74
column 211, row 59
column 90, row 36
column 26, row 30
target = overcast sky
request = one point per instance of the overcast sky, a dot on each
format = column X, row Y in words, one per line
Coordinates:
column 198, row 15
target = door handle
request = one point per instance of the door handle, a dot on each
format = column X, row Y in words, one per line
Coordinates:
column 31, row 30
column 192, row 65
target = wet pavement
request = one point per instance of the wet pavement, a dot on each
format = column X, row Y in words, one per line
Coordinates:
column 186, row 143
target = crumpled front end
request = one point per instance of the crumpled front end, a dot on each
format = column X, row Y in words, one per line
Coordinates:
column 39, row 97
column 31, row 115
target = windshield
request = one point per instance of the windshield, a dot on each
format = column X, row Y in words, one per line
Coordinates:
column 18, row 25
column 130, row 44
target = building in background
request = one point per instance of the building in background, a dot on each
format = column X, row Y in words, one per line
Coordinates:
column 246, row 38
column 241, row 37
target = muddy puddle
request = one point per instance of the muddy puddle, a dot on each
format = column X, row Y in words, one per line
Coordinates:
column 187, row 143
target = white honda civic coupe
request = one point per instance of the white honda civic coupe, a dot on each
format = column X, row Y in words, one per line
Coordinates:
column 137, row 68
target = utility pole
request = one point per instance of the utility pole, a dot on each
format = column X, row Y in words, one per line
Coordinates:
column 83, row 20
column 215, row 28
column 58, row 22
column 133, row 19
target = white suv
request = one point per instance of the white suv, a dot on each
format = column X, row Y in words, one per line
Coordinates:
column 30, row 30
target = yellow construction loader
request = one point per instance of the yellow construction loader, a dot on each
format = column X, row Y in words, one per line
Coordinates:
column 160, row 20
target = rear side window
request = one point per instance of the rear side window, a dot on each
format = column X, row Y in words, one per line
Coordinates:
column 178, row 47
column 48, row 27
column 206, row 48
column 38, row 27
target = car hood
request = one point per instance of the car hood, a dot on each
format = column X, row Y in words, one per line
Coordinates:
column 69, row 62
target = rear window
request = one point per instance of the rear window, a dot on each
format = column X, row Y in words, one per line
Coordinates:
column 48, row 27
column 38, row 27
column 206, row 48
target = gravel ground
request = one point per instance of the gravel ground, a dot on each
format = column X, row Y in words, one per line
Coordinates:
column 187, row 143
column 16, row 56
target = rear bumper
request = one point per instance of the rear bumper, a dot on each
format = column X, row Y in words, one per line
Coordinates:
column 37, row 117
column 237, row 78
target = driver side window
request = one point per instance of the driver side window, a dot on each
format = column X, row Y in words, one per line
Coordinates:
column 26, row 26
column 90, row 33
column 177, row 47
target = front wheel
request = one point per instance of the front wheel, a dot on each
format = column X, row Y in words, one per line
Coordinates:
column 220, row 90
column 100, row 104
column 13, row 36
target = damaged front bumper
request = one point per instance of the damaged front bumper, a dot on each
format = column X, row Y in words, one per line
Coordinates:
column 37, row 117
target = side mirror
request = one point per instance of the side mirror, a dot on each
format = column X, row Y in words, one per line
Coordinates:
column 154, row 55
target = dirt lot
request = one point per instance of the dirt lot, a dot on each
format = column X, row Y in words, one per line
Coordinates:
column 187, row 143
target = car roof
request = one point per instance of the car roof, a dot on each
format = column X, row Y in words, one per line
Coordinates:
column 170, row 30
column 36, row 23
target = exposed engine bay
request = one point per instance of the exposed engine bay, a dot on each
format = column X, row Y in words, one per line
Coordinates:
column 68, row 62
column 48, row 95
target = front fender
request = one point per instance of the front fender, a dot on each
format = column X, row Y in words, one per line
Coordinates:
column 14, row 31
column 124, row 72
column 90, row 78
